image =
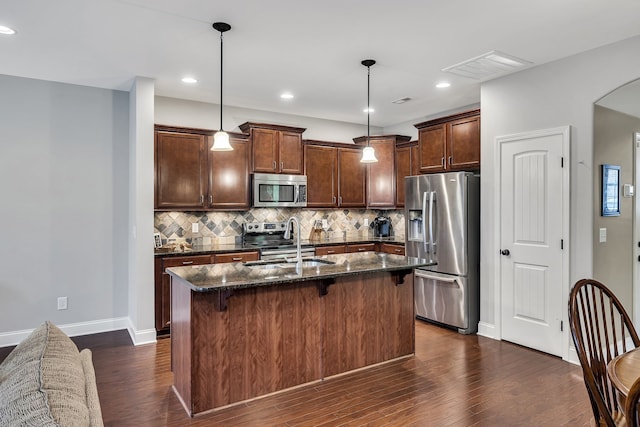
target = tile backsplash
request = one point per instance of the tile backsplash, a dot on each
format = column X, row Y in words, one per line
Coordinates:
column 226, row 227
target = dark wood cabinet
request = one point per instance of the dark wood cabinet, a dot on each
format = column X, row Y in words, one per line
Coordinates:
column 391, row 248
column 163, row 286
column 236, row 257
column 274, row 148
column 189, row 176
column 406, row 165
column 180, row 170
column 330, row 250
column 163, row 282
column 450, row 143
column 381, row 176
column 361, row 247
column 335, row 176
column 229, row 185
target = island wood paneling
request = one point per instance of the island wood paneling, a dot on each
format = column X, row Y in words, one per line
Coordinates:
column 272, row 338
column 266, row 340
column 368, row 319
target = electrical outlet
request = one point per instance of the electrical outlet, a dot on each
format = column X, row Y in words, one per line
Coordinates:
column 325, row 223
column 62, row 303
column 194, row 227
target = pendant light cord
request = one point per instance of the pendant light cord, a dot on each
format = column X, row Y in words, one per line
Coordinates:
column 221, row 47
column 368, row 104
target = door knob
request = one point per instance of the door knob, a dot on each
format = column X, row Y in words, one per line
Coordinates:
column 505, row 252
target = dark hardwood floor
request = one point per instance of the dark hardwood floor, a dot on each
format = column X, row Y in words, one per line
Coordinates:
column 453, row 380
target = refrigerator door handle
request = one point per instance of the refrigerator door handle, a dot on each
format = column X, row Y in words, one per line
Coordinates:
column 424, row 223
column 438, row 277
column 432, row 197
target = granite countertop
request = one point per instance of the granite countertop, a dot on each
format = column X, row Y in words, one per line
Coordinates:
column 229, row 276
column 238, row 247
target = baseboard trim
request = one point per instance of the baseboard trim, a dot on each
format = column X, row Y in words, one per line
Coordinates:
column 144, row 336
column 71, row 329
column 487, row 330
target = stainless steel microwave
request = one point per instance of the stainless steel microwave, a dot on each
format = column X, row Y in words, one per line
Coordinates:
column 274, row 190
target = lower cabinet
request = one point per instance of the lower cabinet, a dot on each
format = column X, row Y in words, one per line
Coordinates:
column 391, row 248
column 163, row 282
column 163, row 286
column 361, row 247
column 330, row 250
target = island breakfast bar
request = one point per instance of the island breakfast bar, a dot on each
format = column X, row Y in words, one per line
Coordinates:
column 243, row 330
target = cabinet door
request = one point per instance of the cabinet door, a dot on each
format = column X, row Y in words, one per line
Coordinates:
column 351, row 178
column 180, row 171
column 403, row 169
column 237, row 257
column 321, row 170
column 265, row 150
column 432, row 145
column 290, row 153
column 229, row 176
column 381, row 177
column 463, row 146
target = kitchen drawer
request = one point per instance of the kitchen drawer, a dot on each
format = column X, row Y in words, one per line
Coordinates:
column 237, row 257
column 361, row 247
column 391, row 248
column 180, row 261
column 330, row 250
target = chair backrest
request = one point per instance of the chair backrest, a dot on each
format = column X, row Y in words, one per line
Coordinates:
column 601, row 330
column 631, row 405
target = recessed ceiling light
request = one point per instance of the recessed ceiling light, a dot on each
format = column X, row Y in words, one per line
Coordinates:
column 7, row 31
column 189, row 80
column 286, row 95
column 369, row 110
column 443, row 85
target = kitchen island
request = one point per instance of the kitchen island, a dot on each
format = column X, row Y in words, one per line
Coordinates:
column 243, row 330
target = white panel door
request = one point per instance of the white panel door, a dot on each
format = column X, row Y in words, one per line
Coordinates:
column 532, row 258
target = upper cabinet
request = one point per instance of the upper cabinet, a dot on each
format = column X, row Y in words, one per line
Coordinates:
column 274, row 148
column 335, row 176
column 189, row 176
column 449, row 143
column 406, row 165
column 381, row 176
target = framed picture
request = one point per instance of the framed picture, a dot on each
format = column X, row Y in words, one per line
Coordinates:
column 610, row 190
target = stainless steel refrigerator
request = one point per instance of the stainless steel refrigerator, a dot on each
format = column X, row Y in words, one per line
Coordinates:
column 442, row 217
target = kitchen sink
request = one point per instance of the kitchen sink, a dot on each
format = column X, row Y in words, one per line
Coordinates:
column 290, row 263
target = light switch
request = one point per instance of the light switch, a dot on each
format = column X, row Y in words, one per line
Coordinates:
column 603, row 235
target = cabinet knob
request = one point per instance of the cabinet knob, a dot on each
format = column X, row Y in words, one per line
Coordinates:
column 274, row 165
column 450, row 159
column 237, row 258
column 331, row 252
column 187, row 262
column 281, row 166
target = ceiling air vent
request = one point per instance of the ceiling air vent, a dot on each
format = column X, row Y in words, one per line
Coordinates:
column 401, row 100
column 491, row 64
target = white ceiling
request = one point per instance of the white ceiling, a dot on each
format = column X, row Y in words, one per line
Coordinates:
column 311, row 48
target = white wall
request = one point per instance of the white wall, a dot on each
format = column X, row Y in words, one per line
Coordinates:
column 178, row 112
column 551, row 95
column 63, row 208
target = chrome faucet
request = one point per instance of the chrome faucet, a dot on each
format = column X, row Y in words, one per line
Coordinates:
column 287, row 235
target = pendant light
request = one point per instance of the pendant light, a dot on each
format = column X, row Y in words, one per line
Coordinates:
column 221, row 138
column 368, row 154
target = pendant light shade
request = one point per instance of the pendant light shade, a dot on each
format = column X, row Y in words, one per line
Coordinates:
column 368, row 153
column 221, row 138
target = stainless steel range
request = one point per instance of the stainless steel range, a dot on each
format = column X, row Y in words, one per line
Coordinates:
column 268, row 238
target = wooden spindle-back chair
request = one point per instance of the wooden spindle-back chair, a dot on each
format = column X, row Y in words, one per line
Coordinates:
column 632, row 405
column 601, row 330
